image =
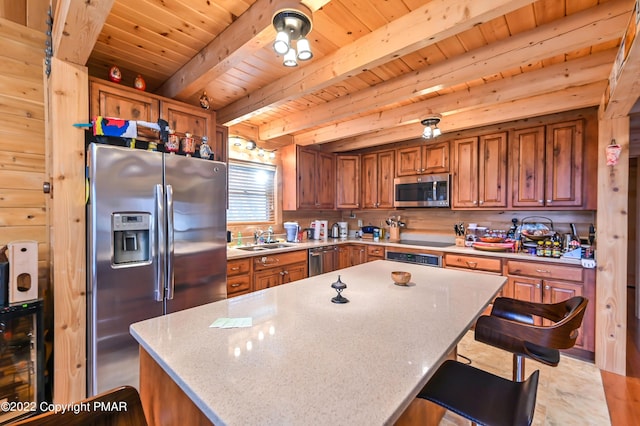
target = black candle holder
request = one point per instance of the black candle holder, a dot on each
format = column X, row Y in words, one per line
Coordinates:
column 339, row 286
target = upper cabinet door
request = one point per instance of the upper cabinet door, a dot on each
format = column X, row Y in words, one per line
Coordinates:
column 325, row 181
column 564, row 161
column 109, row 100
column 190, row 119
column 492, row 170
column 435, row 158
column 347, row 181
column 528, row 167
column 409, row 161
column 386, row 173
column 465, row 173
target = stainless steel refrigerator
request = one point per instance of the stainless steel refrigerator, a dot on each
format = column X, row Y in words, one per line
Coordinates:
column 156, row 244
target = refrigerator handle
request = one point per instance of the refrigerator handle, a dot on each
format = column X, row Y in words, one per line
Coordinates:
column 170, row 252
column 160, row 244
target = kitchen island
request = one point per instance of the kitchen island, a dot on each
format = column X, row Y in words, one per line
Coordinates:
column 306, row 360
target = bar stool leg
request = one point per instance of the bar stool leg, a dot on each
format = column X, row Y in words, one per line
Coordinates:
column 518, row 368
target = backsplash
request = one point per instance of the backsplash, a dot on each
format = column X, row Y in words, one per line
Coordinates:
column 440, row 221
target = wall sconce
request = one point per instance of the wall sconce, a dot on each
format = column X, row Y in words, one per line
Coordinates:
column 291, row 25
column 431, row 129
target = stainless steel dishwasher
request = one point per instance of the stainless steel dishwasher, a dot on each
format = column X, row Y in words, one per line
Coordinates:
column 322, row 259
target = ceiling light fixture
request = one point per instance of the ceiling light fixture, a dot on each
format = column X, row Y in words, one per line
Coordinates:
column 431, row 129
column 293, row 25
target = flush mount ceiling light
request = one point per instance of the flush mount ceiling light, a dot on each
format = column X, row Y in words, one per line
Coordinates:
column 431, row 129
column 292, row 25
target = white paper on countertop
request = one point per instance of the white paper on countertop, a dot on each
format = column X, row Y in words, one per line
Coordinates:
column 232, row 322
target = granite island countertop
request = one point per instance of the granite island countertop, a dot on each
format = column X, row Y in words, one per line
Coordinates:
column 306, row 360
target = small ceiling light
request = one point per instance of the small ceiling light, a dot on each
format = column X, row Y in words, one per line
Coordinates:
column 261, row 152
column 290, row 58
column 272, row 155
column 251, row 145
column 293, row 25
column 431, row 129
column 281, row 45
column 304, row 49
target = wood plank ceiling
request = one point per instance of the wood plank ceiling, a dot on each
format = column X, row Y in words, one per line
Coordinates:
column 379, row 67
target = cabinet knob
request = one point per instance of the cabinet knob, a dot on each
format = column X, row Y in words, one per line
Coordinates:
column 475, row 202
column 235, row 285
column 481, row 201
column 548, row 201
column 472, row 264
column 542, row 271
column 235, row 268
column 537, row 285
column 282, row 273
column 546, row 287
column 540, row 201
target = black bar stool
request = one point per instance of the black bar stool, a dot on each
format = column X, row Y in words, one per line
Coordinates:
column 510, row 327
column 482, row 397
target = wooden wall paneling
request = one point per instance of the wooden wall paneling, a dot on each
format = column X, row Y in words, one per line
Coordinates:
column 611, row 228
column 68, row 94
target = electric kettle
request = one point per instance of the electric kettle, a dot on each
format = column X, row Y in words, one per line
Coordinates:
column 335, row 231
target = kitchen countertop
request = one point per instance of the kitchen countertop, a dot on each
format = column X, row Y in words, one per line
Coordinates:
column 306, row 360
column 234, row 253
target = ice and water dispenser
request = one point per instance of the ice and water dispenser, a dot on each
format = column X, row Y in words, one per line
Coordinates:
column 130, row 233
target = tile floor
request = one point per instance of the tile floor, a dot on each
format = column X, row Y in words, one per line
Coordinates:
column 570, row 394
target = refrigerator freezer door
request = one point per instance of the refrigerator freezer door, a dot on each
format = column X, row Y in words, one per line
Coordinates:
column 199, row 231
column 119, row 294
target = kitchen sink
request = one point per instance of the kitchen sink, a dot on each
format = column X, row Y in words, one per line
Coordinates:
column 263, row 247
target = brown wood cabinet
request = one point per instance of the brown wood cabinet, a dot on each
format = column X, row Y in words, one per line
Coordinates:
column 347, row 181
column 111, row 100
column 552, row 283
column 422, row 159
column 547, row 165
column 351, row 255
column 308, row 179
column 378, row 172
column 281, row 268
column 239, row 277
column 375, row 253
column 480, row 172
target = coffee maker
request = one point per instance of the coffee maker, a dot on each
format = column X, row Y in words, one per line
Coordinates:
column 344, row 230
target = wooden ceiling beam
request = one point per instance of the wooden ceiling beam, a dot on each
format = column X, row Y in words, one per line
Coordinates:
column 76, row 27
column 573, row 32
column 623, row 89
column 426, row 25
column 249, row 33
column 578, row 72
column 549, row 103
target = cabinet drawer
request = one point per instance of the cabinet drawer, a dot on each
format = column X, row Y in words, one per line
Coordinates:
column 279, row 259
column 545, row 270
column 375, row 251
column 238, row 284
column 239, row 266
column 479, row 263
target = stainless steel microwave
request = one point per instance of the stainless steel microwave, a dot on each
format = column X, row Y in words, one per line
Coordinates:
column 422, row 191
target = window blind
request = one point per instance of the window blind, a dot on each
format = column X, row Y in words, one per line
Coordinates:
column 251, row 192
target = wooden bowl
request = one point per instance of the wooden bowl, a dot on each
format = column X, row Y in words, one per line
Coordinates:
column 401, row 277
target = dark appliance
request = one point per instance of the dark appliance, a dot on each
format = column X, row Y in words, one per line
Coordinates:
column 323, row 259
column 422, row 191
column 427, row 259
column 21, row 360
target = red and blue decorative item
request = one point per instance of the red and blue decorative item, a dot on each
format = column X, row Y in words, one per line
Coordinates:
column 204, row 101
column 107, row 126
column 115, row 75
column 139, row 83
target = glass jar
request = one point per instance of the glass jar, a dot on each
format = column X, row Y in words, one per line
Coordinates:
column 188, row 144
column 548, row 249
column 556, row 251
column 540, row 248
column 173, row 142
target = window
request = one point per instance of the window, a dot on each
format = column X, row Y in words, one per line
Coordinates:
column 251, row 192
